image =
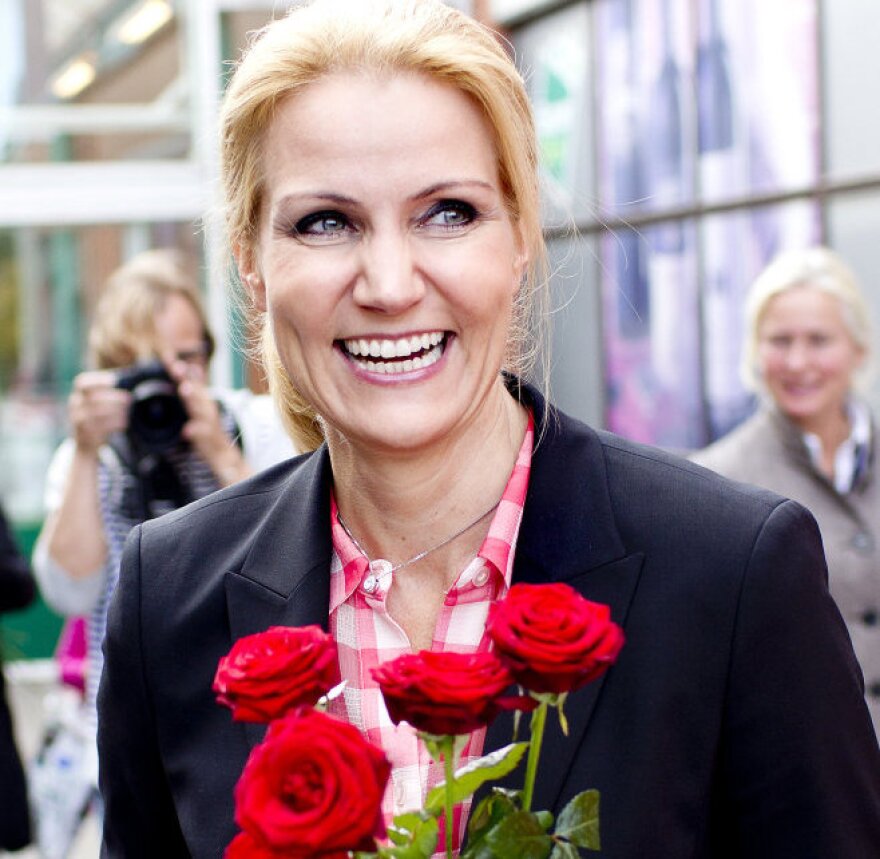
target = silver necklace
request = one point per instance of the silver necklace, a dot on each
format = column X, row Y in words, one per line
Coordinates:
column 381, row 567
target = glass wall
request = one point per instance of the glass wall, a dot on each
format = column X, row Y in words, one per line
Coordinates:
column 694, row 140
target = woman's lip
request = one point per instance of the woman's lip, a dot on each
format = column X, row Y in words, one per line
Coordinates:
column 800, row 388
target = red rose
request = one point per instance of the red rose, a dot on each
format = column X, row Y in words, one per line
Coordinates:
column 268, row 674
column 445, row 693
column 551, row 638
column 312, row 788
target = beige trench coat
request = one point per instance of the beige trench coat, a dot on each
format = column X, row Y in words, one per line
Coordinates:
column 768, row 450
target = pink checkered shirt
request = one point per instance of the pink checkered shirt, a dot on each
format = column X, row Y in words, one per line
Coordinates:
column 366, row 636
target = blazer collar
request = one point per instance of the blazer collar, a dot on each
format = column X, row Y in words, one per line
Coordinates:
column 284, row 579
column 568, row 534
column 568, row 522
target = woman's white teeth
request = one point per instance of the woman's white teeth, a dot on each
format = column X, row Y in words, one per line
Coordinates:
column 402, row 347
column 429, row 347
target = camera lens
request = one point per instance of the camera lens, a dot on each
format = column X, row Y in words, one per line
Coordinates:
column 157, row 414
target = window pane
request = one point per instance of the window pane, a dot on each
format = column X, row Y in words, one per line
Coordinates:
column 852, row 69
column 553, row 55
column 93, row 80
column 651, row 330
column 757, row 95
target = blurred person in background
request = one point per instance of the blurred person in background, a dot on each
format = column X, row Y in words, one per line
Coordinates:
column 807, row 344
column 147, row 436
column 17, row 590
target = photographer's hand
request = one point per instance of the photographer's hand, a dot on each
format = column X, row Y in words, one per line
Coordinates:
column 75, row 531
column 204, row 429
column 96, row 409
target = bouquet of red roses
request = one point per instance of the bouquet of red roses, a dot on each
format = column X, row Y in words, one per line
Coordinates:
column 314, row 786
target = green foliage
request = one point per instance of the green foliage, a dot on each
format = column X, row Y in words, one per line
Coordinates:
column 579, row 820
column 500, row 829
column 520, row 834
column 414, row 836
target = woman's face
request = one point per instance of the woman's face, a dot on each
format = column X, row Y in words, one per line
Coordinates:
column 807, row 355
column 180, row 335
column 386, row 258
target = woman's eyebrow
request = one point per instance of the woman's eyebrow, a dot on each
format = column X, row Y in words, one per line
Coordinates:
column 451, row 185
column 322, row 196
column 337, row 199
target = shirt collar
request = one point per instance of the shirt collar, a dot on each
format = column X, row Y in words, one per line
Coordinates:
column 851, row 457
column 350, row 568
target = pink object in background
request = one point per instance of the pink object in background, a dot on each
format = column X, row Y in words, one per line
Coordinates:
column 70, row 653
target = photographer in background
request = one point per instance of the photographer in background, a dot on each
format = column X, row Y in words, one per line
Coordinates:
column 147, row 437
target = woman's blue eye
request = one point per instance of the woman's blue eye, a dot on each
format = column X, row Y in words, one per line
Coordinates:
column 450, row 214
column 321, row 223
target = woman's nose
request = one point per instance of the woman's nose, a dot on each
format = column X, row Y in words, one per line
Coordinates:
column 388, row 279
column 797, row 355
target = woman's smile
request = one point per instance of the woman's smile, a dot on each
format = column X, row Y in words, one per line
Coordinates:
column 396, row 356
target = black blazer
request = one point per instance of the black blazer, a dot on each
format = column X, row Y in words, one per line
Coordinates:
column 733, row 723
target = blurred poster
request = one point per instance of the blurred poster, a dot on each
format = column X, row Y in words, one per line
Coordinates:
column 651, row 322
column 694, row 106
column 757, row 97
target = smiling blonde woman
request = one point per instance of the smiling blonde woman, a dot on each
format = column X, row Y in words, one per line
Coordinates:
column 808, row 347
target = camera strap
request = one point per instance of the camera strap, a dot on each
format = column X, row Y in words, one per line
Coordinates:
column 156, row 485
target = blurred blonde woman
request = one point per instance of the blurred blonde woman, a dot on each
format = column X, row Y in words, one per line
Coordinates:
column 119, row 467
column 813, row 439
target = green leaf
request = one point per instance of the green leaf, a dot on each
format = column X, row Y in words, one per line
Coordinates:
column 563, row 722
column 545, row 819
column 403, row 826
column 579, row 820
column 467, row 779
column 549, row 698
column 519, row 834
column 564, row 850
column 415, row 837
column 488, row 813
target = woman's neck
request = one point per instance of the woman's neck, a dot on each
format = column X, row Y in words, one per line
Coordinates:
column 400, row 503
column 832, row 430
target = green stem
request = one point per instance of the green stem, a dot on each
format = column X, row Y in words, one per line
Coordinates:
column 539, row 719
column 449, row 771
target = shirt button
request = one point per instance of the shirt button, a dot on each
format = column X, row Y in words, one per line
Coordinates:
column 370, row 583
column 481, row 577
column 863, row 542
column 869, row 618
column 874, row 689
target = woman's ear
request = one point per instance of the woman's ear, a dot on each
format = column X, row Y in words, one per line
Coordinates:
column 521, row 257
column 249, row 272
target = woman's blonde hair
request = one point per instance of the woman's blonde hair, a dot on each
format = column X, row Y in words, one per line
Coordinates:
column 124, row 330
column 814, row 268
column 426, row 37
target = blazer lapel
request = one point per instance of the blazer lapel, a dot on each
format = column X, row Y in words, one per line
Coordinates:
column 568, row 534
column 285, row 580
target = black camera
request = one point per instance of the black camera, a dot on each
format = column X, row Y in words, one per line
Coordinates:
column 157, row 413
